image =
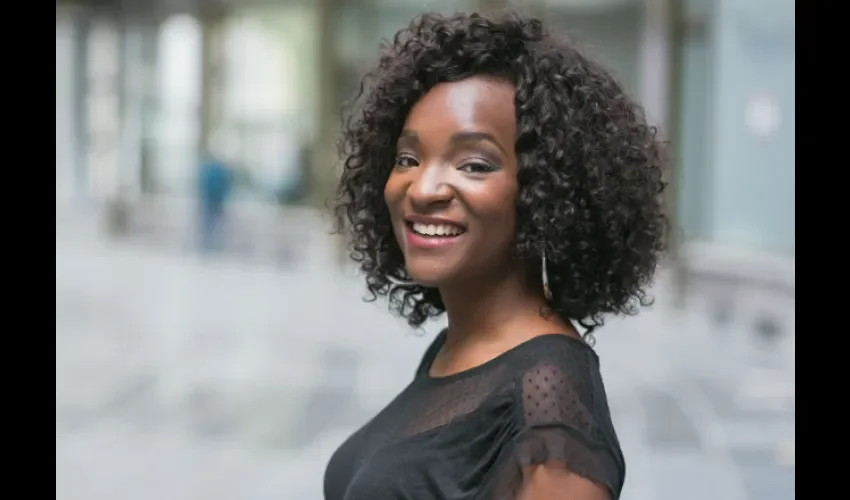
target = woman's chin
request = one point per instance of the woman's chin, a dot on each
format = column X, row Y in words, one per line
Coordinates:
column 429, row 276
column 427, row 281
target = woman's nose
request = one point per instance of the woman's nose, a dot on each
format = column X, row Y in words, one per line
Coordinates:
column 430, row 186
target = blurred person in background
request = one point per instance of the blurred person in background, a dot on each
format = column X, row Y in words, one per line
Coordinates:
column 495, row 174
column 215, row 183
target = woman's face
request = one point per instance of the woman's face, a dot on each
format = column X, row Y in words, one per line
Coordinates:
column 452, row 192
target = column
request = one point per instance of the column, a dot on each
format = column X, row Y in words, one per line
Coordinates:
column 212, row 21
column 66, row 69
column 148, row 79
column 654, row 61
column 80, row 100
column 689, row 129
column 324, row 174
column 133, row 73
column 104, row 107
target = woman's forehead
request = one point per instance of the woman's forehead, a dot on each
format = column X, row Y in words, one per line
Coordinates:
column 476, row 104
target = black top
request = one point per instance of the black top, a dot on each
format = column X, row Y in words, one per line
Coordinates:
column 467, row 436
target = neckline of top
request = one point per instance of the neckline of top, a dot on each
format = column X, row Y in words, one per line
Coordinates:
column 441, row 339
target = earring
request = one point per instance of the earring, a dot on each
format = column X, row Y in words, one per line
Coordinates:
column 546, row 291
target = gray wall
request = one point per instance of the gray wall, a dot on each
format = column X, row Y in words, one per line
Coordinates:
column 737, row 182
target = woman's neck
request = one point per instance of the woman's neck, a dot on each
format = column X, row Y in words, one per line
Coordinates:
column 503, row 308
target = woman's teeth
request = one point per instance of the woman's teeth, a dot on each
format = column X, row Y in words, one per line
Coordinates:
column 436, row 229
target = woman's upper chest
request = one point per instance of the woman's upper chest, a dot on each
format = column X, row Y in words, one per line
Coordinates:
column 447, row 462
column 434, row 444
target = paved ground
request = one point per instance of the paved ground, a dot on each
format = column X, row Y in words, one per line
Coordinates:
column 181, row 378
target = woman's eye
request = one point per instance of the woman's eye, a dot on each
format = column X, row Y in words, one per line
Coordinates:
column 476, row 167
column 406, row 161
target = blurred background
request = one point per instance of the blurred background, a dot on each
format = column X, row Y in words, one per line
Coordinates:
column 211, row 341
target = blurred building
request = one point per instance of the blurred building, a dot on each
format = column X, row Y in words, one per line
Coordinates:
column 144, row 86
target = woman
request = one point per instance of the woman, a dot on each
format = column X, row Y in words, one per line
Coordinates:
column 495, row 174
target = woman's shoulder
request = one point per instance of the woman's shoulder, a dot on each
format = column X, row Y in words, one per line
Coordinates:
column 561, row 413
column 553, row 373
column 555, row 362
column 560, row 349
column 552, row 405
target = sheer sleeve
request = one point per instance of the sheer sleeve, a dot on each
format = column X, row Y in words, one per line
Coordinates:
column 561, row 421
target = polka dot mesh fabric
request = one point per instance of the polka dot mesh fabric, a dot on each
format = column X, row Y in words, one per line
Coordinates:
column 469, row 436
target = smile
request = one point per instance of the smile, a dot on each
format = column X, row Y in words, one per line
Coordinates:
column 431, row 236
column 436, row 229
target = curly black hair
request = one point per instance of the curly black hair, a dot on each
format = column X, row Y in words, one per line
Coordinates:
column 589, row 166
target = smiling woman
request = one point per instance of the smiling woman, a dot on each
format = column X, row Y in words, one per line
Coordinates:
column 456, row 171
column 495, row 174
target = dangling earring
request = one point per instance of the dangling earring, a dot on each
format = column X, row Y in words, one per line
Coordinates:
column 546, row 291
